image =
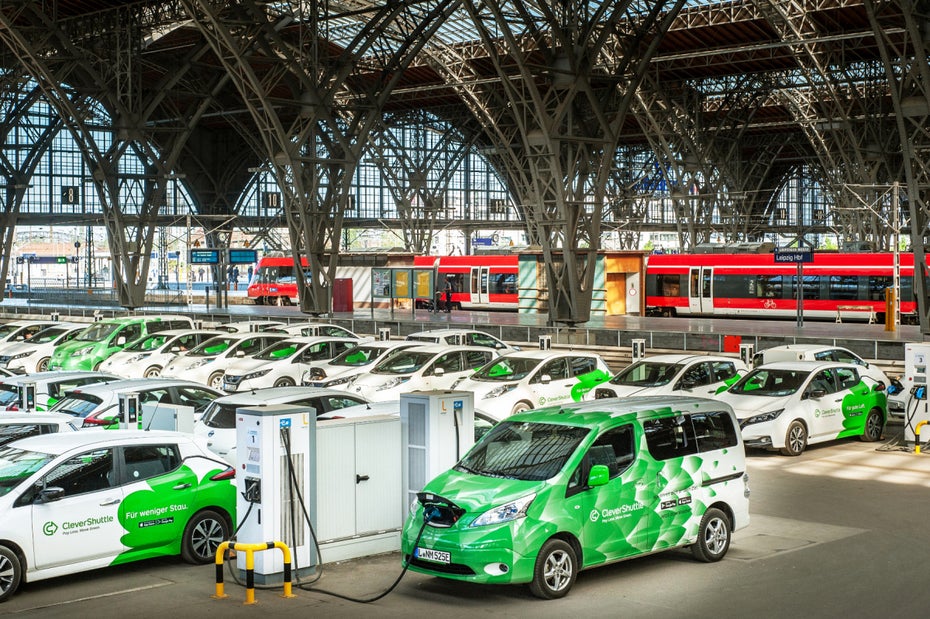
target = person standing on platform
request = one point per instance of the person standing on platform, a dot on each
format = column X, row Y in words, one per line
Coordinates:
column 448, row 294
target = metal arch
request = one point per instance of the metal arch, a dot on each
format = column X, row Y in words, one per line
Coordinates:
column 314, row 152
column 906, row 63
column 130, row 238
column 554, row 115
column 406, row 168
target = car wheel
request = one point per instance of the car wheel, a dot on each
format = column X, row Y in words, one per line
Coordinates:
column 555, row 571
column 285, row 381
column 874, row 424
column 713, row 537
column 216, row 380
column 202, row 536
column 11, row 573
column 42, row 365
column 152, row 372
column 795, row 439
column 519, row 407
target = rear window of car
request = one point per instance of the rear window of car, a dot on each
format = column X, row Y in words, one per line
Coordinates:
column 673, row 437
column 220, row 415
column 77, row 405
column 8, row 394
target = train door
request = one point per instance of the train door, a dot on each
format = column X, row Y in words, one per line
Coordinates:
column 479, row 286
column 700, row 290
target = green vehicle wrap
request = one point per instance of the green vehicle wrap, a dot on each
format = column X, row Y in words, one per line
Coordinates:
column 96, row 343
column 652, row 504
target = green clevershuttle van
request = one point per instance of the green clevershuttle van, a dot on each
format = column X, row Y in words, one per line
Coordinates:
column 550, row 492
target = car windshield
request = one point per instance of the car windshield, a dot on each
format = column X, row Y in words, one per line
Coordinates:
column 47, row 335
column 97, row 332
column 8, row 329
column 220, row 415
column 10, row 432
column 770, row 383
column 404, row 362
column 357, row 357
column 647, row 374
column 522, row 450
column 146, row 344
column 213, row 347
column 77, row 405
column 278, row 350
column 18, row 464
column 507, row 369
column 8, row 394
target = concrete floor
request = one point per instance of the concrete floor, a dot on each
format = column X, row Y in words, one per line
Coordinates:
column 837, row 532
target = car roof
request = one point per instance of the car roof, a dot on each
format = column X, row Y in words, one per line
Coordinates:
column 172, row 332
column 12, row 418
column 597, row 413
column 446, row 332
column 435, row 349
column 685, row 358
column 26, row 323
column 809, row 366
column 62, row 442
column 313, row 339
column 132, row 384
column 54, row 376
column 279, row 395
column 545, row 354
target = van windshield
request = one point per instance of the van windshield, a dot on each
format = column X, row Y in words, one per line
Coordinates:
column 524, row 451
column 98, row 332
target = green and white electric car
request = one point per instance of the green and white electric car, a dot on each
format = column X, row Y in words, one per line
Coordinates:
column 547, row 493
column 77, row 501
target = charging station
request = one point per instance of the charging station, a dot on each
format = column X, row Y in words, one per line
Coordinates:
column 638, row 351
column 747, row 351
column 164, row 416
column 273, row 490
column 128, row 411
column 916, row 367
column 438, row 429
column 545, row 342
column 27, row 397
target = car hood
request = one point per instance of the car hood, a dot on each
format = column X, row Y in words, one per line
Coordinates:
column 477, row 493
column 748, row 405
column 241, row 366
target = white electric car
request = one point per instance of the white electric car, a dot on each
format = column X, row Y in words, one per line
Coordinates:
column 17, row 331
column 337, row 372
column 49, row 387
column 789, row 405
column 461, row 337
column 98, row 405
column 218, row 424
column 146, row 356
column 315, row 329
column 283, row 363
column 208, row 362
column 14, row 426
column 77, row 501
column 692, row 375
column 32, row 355
column 529, row 379
column 419, row 368
column 817, row 352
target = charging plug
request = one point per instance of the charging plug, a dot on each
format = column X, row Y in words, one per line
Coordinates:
column 430, row 513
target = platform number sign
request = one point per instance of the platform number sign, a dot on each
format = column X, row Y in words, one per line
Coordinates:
column 272, row 200
column 70, row 194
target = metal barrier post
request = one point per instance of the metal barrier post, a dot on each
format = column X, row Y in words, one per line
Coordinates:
column 250, row 550
column 917, row 436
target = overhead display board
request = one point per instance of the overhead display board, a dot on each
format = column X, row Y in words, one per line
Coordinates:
column 238, row 255
column 204, row 256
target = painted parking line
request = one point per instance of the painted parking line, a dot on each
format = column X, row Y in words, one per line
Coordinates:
column 93, row 597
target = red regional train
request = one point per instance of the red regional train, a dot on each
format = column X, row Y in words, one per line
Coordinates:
column 754, row 285
column 478, row 282
column 275, row 280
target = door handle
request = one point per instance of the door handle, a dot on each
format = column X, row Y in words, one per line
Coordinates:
column 110, row 502
column 360, row 478
column 181, row 487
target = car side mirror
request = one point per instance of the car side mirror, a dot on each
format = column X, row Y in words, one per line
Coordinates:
column 121, row 340
column 438, row 372
column 545, row 379
column 599, row 475
column 816, row 394
column 240, row 353
column 686, row 384
column 50, row 494
column 175, row 349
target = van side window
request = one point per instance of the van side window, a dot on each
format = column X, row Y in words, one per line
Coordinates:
column 614, row 449
column 714, row 430
column 669, row 437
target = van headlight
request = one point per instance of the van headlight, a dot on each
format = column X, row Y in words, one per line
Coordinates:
column 21, row 355
column 499, row 391
column 762, row 418
column 400, row 380
column 505, row 513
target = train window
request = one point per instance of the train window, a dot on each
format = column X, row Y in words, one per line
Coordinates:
column 811, row 286
column 877, row 285
column 734, row 286
column 695, row 282
column 459, row 282
column 664, row 285
column 503, row 283
column 769, row 287
column 844, row 287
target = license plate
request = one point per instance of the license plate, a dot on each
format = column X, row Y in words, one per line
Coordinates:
column 437, row 556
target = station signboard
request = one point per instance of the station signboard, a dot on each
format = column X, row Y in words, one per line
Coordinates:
column 793, row 255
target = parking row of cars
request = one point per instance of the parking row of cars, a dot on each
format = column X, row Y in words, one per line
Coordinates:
column 793, row 398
